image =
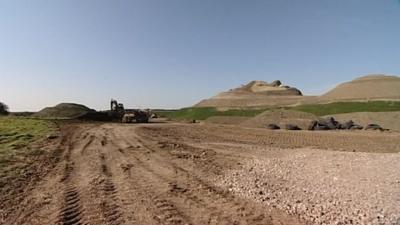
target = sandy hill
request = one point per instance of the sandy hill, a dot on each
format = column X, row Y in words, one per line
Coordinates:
column 370, row 87
column 64, row 111
column 256, row 93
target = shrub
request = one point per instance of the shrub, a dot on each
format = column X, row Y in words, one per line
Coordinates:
column 3, row 109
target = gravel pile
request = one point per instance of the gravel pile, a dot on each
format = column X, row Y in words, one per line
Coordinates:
column 323, row 187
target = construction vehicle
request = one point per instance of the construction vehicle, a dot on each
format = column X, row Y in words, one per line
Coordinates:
column 130, row 115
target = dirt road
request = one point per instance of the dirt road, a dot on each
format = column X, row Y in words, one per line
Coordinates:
column 163, row 174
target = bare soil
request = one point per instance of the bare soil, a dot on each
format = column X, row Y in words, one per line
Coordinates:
column 178, row 174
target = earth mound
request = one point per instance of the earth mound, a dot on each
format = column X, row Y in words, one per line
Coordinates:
column 256, row 93
column 65, row 111
column 370, row 87
column 281, row 118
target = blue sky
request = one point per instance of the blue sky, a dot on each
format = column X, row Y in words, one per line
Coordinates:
column 173, row 53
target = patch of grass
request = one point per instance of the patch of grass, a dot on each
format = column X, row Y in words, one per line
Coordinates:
column 349, row 107
column 316, row 109
column 206, row 112
column 17, row 135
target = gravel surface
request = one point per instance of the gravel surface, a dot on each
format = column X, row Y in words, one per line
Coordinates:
column 323, row 187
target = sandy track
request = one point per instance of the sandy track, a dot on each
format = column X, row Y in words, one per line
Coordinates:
column 166, row 174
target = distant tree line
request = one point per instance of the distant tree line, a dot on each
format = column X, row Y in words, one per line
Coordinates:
column 3, row 109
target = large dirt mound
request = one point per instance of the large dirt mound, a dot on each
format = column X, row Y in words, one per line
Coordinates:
column 64, row 111
column 387, row 120
column 370, row 87
column 256, row 93
column 281, row 117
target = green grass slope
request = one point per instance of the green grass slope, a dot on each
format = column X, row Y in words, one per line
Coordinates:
column 203, row 113
column 349, row 107
column 207, row 112
column 17, row 135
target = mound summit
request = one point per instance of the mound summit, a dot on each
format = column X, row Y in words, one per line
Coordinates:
column 269, row 89
column 64, row 111
column 255, row 93
column 370, row 87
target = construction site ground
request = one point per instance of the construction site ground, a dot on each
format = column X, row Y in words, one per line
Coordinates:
column 175, row 173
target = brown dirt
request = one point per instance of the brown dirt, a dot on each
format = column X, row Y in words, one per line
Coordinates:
column 281, row 118
column 165, row 174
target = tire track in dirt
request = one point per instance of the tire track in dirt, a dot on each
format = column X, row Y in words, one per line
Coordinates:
column 110, row 207
column 80, row 180
column 72, row 212
column 220, row 206
column 159, row 207
column 91, row 139
column 188, row 190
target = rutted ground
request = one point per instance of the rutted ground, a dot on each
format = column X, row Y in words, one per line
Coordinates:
column 165, row 174
column 107, row 174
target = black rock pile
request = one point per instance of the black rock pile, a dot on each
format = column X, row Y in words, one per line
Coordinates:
column 329, row 124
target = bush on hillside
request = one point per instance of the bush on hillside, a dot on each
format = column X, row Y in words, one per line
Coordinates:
column 3, row 109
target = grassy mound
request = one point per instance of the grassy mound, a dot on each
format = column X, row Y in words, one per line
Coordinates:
column 207, row 112
column 349, row 107
column 64, row 111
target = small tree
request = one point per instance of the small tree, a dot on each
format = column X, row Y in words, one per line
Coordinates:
column 3, row 109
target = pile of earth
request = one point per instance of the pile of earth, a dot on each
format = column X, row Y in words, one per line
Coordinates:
column 257, row 93
column 389, row 120
column 65, row 111
column 370, row 87
column 281, row 117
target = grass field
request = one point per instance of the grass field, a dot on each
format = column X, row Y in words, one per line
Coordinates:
column 17, row 135
column 316, row 109
column 206, row 112
column 349, row 107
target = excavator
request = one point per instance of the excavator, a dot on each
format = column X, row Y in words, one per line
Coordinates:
column 130, row 115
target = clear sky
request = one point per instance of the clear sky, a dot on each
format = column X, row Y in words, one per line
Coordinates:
column 173, row 53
